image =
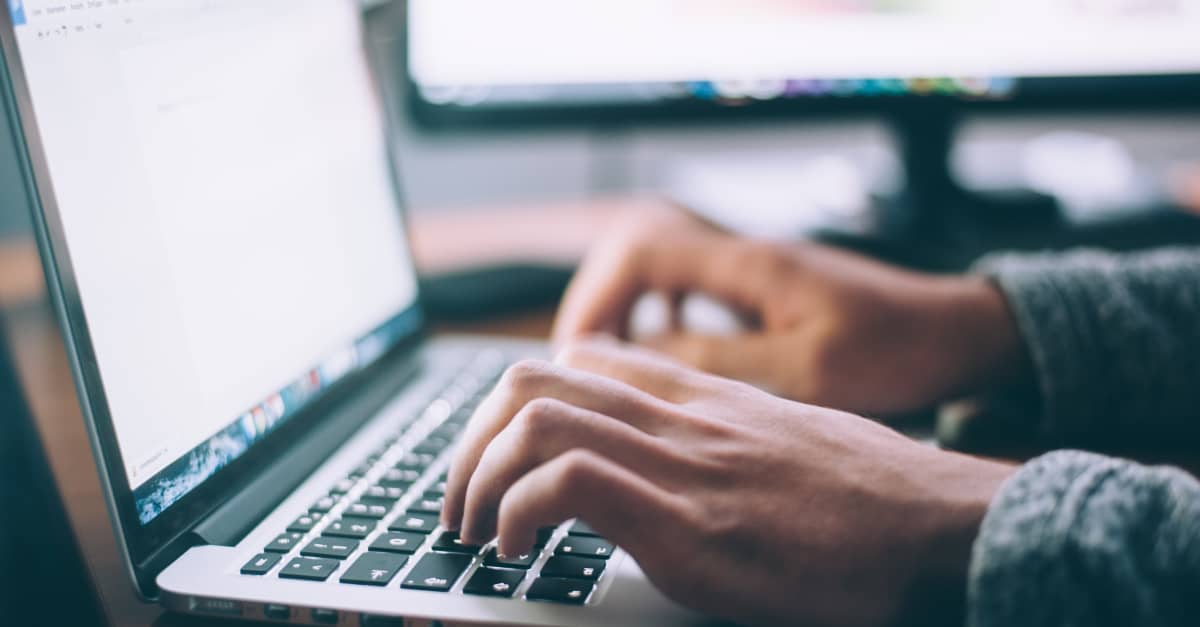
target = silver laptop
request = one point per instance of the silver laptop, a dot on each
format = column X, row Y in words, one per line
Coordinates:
column 218, row 218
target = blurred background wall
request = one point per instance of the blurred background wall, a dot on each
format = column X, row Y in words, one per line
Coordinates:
column 443, row 172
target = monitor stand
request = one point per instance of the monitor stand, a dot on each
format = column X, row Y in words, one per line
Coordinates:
column 937, row 224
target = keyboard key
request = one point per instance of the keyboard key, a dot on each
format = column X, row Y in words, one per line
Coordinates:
column 284, row 543
column 580, row 528
column 324, row 617
column 399, row 484
column 585, row 547
column 494, row 582
column 335, row 548
column 415, row 522
column 437, row 572
column 399, row 478
column 384, row 493
column 398, row 542
column 343, row 486
column 571, row 591
column 305, row 523
column 309, row 568
column 432, row 446
column 543, row 536
column 413, row 462
column 261, row 564
column 324, row 504
column 428, row 505
column 523, row 562
column 450, row 543
column 448, row 431
column 438, row 488
column 368, row 510
column 588, row 568
column 349, row 527
column 374, row 569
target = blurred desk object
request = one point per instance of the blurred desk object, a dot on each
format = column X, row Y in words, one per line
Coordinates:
column 492, row 269
column 443, row 242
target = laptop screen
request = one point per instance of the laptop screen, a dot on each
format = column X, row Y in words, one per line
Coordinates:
column 221, row 175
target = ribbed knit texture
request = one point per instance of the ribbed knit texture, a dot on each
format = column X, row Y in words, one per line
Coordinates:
column 1075, row 539
column 1078, row 539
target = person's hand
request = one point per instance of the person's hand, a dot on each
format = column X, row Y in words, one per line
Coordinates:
column 827, row 326
column 734, row 502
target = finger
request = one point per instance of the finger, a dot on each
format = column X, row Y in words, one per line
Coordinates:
column 640, row 367
column 620, row 270
column 543, row 430
column 752, row 358
column 621, row 505
column 531, row 380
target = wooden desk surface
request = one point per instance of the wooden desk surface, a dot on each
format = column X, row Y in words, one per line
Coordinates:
column 444, row 241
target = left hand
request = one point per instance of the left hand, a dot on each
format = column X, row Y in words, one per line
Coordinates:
column 824, row 325
column 826, row 518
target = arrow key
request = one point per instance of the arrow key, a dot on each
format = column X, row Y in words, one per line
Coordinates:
column 494, row 582
column 261, row 564
column 310, row 568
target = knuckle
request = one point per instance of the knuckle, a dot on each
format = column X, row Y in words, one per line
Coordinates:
column 765, row 259
column 575, row 470
column 712, row 527
column 538, row 419
column 525, row 375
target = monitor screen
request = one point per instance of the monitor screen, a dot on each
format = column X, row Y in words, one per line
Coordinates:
column 221, row 177
column 477, row 53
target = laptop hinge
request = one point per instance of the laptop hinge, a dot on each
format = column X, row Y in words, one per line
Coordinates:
column 235, row 518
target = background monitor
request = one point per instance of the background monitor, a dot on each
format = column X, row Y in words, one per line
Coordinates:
column 918, row 63
column 471, row 61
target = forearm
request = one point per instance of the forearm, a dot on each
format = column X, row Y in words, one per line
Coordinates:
column 1079, row 539
column 1113, row 341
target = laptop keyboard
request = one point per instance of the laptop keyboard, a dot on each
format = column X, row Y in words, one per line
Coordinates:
column 379, row 526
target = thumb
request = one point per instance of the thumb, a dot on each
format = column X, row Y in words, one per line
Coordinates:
column 752, row 358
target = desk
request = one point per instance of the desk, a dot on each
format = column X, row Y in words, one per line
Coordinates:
column 443, row 241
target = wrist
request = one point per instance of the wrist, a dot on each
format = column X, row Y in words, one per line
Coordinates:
column 980, row 335
column 964, row 490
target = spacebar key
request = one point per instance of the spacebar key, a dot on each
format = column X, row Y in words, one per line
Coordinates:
column 437, row 572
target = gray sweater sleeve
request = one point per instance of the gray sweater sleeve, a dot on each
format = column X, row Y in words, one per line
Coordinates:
column 1080, row 539
column 1114, row 340
column 1075, row 539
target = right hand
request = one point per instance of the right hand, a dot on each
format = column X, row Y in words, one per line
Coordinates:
column 829, row 327
column 734, row 502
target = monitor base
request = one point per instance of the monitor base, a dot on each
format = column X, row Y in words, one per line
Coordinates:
column 1018, row 223
column 936, row 224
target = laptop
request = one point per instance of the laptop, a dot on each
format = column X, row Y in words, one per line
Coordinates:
column 217, row 212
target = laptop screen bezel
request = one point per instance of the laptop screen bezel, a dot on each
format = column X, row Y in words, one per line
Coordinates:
column 143, row 544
